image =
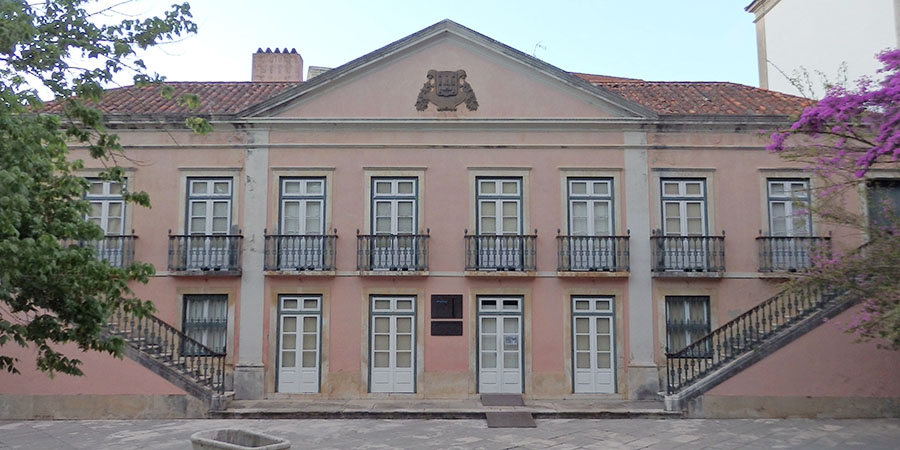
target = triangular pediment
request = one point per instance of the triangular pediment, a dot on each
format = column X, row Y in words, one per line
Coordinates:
column 391, row 82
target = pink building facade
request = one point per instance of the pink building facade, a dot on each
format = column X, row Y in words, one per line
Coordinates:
column 446, row 217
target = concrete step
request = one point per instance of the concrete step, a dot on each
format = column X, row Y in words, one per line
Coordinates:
column 439, row 409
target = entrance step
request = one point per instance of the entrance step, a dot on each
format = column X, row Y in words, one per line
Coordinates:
column 439, row 409
column 511, row 419
column 502, row 400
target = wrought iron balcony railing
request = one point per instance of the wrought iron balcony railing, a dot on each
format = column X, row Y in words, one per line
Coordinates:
column 400, row 252
column 688, row 253
column 118, row 250
column 592, row 253
column 789, row 253
column 741, row 335
column 205, row 252
column 500, row 252
column 300, row 252
column 168, row 345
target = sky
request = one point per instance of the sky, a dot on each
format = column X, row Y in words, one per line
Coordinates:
column 657, row 40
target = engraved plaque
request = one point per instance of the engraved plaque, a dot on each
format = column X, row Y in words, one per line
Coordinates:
column 447, row 328
column 446, row 306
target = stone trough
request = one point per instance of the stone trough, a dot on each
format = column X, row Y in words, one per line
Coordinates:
column 237, row 439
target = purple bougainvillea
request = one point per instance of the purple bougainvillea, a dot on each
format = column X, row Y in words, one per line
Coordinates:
column 847, row 129
column 843, row 137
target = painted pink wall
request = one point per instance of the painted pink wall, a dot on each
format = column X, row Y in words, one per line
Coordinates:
column 103, row 374
column 504, row 88
column 822, row 363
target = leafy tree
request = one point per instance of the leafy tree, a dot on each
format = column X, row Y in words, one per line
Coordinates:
column 847, row 138
column 53, row 291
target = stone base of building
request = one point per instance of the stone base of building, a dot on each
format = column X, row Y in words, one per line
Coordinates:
column 96, row 406
column 733, row 407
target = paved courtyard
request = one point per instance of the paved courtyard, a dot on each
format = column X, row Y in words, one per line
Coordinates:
column 461, row 434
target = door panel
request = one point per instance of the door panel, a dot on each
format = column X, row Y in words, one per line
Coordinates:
column 593, row 346
column 500, row 347
column 299, row 345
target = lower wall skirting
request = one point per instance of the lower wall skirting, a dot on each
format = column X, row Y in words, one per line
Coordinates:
column 728, row 407
column 96, row 406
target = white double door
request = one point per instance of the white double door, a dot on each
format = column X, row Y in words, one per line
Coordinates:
column 500, row 345
column 593, row 345
column 299, row 344
column 392, row 357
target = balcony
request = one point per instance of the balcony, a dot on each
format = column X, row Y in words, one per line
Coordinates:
column 392, row 252
column 789, row 253
column 300, row 252
column 508, row 253
column 687, row 254
column 205, row 254
column 118, row 250
column 592, row 253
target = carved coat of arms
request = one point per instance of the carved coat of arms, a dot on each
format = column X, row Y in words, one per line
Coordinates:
column 446, row 89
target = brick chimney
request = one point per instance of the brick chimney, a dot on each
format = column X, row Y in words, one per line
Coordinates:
column 277, row 66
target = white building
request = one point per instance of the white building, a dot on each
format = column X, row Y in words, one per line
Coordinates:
column 819, row 36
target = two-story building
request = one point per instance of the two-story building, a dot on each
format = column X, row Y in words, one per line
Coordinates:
column 447, row 216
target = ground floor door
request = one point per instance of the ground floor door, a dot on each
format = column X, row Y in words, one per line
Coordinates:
column 299, row 343
column 593, row 346
column 393, row 331
column 500, row 345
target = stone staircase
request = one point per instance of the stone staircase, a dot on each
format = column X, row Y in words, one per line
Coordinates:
column 173, row 355
column 748, row 338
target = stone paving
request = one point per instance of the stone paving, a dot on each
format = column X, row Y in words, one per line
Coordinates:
column 557, row 434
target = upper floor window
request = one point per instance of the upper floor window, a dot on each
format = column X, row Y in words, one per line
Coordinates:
column 302, row 206
column 590, row 207
column 394, row 206
column 883, row 201
column 107, row 206
column 684, row 207
column 499, row 206
column 788, row 207
column 209, row 206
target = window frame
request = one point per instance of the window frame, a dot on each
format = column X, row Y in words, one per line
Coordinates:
column 791, row 200
column 303, row 198
column 682, row 199
column 394, row 198
column 707, row 303
column 208, row 325
column 591, row 198
column 209, row 198
column 105, row 198
column 498, row 197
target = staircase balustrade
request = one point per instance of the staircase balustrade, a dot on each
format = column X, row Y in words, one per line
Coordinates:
column 170, row 346
column 741, row 335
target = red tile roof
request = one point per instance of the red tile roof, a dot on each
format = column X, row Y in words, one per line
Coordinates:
column 223, row 97
column 664, row 97
column 698, row 97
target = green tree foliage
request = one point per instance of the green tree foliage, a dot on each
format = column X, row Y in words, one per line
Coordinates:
column 850, row 140
column 53, row 291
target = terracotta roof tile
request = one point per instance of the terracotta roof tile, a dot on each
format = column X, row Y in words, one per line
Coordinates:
column 664, row 97
column 699, row 97
column 215, row 98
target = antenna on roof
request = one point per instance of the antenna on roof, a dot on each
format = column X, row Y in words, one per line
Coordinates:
column 539, row 45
